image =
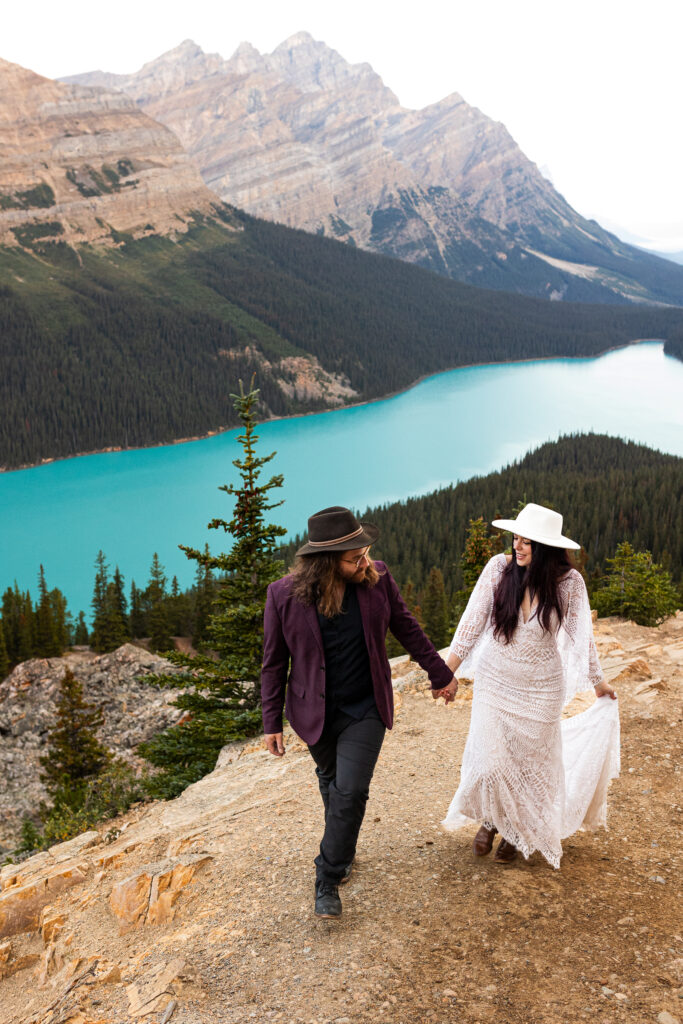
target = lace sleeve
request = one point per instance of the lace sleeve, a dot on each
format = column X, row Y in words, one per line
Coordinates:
column 475, row 623
column 575, row 641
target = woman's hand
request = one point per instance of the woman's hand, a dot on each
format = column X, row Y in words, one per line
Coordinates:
column 604, row 689
column 448, row 692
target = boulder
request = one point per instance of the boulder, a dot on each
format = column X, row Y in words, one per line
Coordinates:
column 149, row 896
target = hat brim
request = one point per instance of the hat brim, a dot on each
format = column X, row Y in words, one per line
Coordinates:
column 551, row 542
column 363, row 540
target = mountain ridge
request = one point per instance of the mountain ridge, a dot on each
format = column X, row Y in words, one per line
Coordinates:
column 302, row 137
column 80, row 165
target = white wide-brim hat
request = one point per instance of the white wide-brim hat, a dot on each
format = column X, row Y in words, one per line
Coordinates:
column 537, row 523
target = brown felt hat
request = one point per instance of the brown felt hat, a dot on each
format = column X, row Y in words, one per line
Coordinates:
column 337, row 529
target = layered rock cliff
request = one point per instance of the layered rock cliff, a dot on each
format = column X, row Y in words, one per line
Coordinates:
column 303, row 137
column 81, row 165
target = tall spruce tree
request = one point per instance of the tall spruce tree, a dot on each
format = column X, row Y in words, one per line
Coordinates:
column 26, row 626
column 480, row 545
column 17, row 618
column 61, row 618
column 158, row 619
column 222, row 696
column 74, row 754
column 98, row 634
column 81, row 636
column 435, row 610
column 137, row 618
column 46, row 642
column 116, row 607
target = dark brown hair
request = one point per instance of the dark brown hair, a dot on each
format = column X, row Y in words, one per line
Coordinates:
column 547, row 567
column 315, row 577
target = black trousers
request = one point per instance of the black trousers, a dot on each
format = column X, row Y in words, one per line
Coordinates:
column 345, row 755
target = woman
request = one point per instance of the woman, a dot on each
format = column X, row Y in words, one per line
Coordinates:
column 527, row 638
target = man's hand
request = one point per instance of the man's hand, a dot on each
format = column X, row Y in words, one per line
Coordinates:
column 447, row 692
column 274, row 743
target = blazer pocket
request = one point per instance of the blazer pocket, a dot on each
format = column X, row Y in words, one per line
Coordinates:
column 297, row 688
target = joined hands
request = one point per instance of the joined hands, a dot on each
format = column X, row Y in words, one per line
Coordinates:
column 447, row 692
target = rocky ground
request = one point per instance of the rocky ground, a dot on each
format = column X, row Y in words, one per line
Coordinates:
column 133, row 712
column 200, row 910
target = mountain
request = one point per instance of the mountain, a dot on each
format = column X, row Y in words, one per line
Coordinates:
column 302, row 137
column 81, row 165
column 128, row 312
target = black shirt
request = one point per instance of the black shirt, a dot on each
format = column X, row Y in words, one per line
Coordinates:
column 348, row 682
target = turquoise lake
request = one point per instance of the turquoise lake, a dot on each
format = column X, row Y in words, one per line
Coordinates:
column 449, row 427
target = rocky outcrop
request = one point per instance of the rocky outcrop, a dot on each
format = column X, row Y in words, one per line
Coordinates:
column 84, row 165
column 133, row 712
column 302, row 137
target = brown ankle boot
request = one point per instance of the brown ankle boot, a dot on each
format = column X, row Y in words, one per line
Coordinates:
column 505, row 853
column 483, row 841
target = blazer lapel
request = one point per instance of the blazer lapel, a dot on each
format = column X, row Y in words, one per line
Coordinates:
column 364, row 605
column 312, row 620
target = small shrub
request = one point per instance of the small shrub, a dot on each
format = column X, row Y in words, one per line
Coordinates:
column 636, row 588
column 105, row 796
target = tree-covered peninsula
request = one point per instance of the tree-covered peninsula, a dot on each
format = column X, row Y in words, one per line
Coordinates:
column 142, row 343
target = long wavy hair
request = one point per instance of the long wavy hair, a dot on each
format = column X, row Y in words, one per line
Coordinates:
column 541, row 577
column 315, row 578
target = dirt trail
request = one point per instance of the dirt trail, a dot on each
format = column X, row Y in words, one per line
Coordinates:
column 428, row 933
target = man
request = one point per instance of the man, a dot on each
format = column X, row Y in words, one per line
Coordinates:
column 324, row 646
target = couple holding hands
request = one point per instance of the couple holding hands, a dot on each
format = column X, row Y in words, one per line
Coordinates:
column 526, row 638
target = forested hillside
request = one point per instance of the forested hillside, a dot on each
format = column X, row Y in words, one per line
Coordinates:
column 608, row 491
column 143, row 344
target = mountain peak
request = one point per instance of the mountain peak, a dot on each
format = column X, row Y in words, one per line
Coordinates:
column 245, row 59
column 298, row 39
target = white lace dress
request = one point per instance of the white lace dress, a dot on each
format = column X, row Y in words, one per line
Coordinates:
column 536, row 777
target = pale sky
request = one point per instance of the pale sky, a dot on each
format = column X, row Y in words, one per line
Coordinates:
column 590, row 89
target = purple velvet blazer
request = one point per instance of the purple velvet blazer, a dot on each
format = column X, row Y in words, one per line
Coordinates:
column 294, row 662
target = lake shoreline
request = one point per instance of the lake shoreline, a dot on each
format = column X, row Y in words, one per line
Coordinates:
column 320, row 412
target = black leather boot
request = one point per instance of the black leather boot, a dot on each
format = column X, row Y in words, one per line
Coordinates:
column 327, row 902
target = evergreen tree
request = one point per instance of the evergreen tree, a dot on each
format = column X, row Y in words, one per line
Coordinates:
column 222, row 695
column 236, row 626
column 636, row 588
column 158, row 621
column 435, row 610
column 46, row 643
column 26, row 644
column 409, row 595
column 179, row 606
column 10, row 623
column 115, row 629
column 110, row 622
column 74, row 754
column 81, row 631
column 117, row 610
column 204, row 589
column 98, row 635
column 481, row 545
column 61, row 618
column 137, row 619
